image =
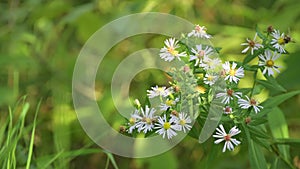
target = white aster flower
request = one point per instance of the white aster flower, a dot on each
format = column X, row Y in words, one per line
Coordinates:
column 199, row 32
column 146, row 120
column 159, row 91
column 168, row 104
column 223, row 136
column 245, row 104
column 166, row 127
column 252, row 45
column 233, row 74
column 200, row 53
column 228, row 95
column 134, row 119
column 210, row 79
column 210, row 63
column 183, row 121
column 227, row 110
column 278, row 41
column 268, row 61
column 169, row 52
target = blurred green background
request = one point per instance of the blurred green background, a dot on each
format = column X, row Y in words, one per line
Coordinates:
column 41, row 39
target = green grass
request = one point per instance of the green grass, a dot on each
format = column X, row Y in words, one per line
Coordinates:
column 13, row 133
column 40, row 41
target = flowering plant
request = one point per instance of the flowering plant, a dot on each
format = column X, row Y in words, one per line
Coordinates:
column 205, row 92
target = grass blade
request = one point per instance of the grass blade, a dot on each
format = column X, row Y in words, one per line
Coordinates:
column 112, row 159
column 32, row 137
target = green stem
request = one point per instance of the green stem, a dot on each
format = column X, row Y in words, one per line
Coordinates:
column 107, row 163
column 192, row 114
column 254, row 83
column 279, row 154
column 286, row 161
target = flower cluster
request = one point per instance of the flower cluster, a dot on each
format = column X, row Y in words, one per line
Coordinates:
column 201, row 70
column 145, row 120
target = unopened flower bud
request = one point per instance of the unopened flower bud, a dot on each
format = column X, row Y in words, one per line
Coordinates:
column 248, row 120
column 176, row 88
column 122, row 129
column 270, row 29
column 137, row 103
column 174, row 112
column 223, row 73
column 186, row 69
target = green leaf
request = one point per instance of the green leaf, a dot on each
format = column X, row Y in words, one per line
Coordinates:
column 263, row 113
column 291, row 142
column 165, row 160
column 257, row 89
column 262, row 142
column 250, row 57
column 245, row 91
column 45, row 161
column 275, row 101
column 275, row 164
column 271, row 84
column 194, row 133
column 211, row 156
column 250, row 67
column 258, row 131
column 76, row 13
column 279, row 129
column 272, row 102
column 258, row 121
column 218, row 49
column 257, row 159
column 261, row 35
column 46, row 164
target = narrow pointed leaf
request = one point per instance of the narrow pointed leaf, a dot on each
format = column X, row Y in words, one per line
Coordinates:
column 271, row 85
column 279, row 129
column 257, row 159
column 276, row 100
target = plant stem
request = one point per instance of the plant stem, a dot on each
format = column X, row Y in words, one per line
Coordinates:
column 107, row 163
column 254, row 83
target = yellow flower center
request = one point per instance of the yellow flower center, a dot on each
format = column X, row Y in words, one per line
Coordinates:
column 147, row 120
column 210, row 78
column 132, row 121
column 270, row 63
column 173, row 51
column 232, row 72
column 201, row 89
column 169, row 102
column 160, row 89
column 281, row 41
column 182, row 122
column 167, row 125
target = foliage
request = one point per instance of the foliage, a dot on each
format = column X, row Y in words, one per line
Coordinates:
column 40, row 41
